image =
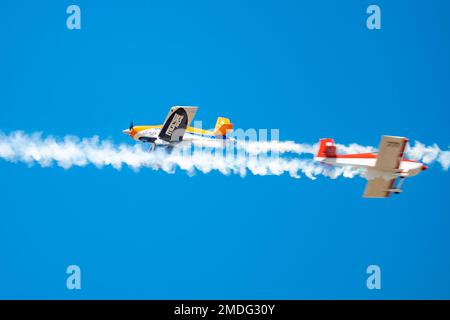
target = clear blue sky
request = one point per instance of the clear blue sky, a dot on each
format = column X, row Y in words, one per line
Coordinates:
column 310, row 68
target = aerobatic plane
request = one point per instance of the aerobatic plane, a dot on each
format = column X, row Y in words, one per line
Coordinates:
column 176, row 130
column 383, row 168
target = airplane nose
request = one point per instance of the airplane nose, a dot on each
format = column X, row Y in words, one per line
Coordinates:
column 127, row 131
column 424, row 167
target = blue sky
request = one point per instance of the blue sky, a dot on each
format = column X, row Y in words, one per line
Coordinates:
column 309, row 68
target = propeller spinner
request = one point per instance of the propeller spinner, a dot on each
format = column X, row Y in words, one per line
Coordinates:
column 130, row 129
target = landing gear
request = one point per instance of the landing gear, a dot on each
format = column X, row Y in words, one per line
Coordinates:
column 399, row 185
column 152, row 147
column 169, row 149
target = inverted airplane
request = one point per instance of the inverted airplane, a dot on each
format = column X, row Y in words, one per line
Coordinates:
column 383, row 168
column 176, row 130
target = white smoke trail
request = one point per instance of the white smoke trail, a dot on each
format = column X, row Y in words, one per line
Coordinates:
column 429, row 154
column 260, row 147
column 73, row 151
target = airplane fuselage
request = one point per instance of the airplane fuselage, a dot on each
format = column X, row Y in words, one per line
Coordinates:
column 407, row 168
column 385, row 170
column 192, row 135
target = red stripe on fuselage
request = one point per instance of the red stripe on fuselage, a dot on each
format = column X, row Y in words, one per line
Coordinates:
column 364, row 156
column 357, row 156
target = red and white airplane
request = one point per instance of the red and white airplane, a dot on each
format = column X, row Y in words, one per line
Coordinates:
column 383, row 168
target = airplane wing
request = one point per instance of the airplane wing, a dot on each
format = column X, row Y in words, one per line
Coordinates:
column 390, row 153
column 389, row 158
column 178, row 119
column 378, row 188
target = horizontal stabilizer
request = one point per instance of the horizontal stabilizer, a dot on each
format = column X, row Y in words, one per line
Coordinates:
column 223, row 126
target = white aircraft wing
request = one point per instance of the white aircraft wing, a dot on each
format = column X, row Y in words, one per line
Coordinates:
column 389, row 157
column 378, row 188
column 390, row 153
column 178, row 119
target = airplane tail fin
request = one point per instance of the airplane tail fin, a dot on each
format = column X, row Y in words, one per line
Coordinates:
column 223, row 126
column 327, row 148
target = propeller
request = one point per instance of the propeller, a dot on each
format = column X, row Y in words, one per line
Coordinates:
column 130, row 130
